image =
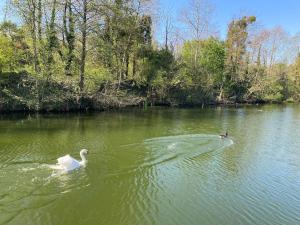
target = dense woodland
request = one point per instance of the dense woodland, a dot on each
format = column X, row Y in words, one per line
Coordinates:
column 68, row 55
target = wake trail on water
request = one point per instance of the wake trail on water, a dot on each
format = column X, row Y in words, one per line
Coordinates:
column 168, row 148
column 34, row 183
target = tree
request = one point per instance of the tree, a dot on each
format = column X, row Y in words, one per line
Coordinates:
column 69, row 35
column 236, row 61
column 126, row 38
column 84, row 32
column 13, row 40
column 166, row 26
column 210, row 65
column 294, row 79
column 28, row 10
column 197, row 18
column 80, row 19
column 6, row 54
column 52, row 41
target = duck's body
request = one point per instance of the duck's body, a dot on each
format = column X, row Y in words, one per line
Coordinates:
column 224, row 135
column 68, row 163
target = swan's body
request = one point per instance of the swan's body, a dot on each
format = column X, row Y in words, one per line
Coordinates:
column 68, row 163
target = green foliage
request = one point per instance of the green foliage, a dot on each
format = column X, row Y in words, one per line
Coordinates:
column 294, row 79
column 20, row 91
column 42, row 65
column 236, row 62
column 159, row 61
column 202, row 68
column 13, row 47
column 6, row 54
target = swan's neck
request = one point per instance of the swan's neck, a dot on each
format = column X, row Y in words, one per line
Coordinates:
column 83, row 159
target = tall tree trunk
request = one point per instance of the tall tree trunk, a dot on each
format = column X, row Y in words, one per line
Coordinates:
column 127, row 65
column 127, row 56
column 34, row 39
column 35, row 53
column 83, row 50
column 134, row 66
column 64, row 30
column 166, row 36
column 39, row 21
column 41, row 47
column 70, row 36
column 52, row 39
column 258, row 61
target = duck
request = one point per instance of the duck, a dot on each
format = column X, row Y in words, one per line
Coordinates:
column 68, row 163
column 224, row 135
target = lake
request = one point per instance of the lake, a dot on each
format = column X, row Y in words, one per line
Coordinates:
column 160, row 166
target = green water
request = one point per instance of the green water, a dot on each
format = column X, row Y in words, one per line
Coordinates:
column 153, row 167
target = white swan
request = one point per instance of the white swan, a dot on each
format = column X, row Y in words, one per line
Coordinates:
column 68, row 163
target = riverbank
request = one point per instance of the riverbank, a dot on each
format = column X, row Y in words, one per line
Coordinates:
column 23, row 92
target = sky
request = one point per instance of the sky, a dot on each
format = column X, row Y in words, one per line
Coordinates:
column 270, row 13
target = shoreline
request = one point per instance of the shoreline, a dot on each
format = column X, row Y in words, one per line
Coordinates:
column 128, row 107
